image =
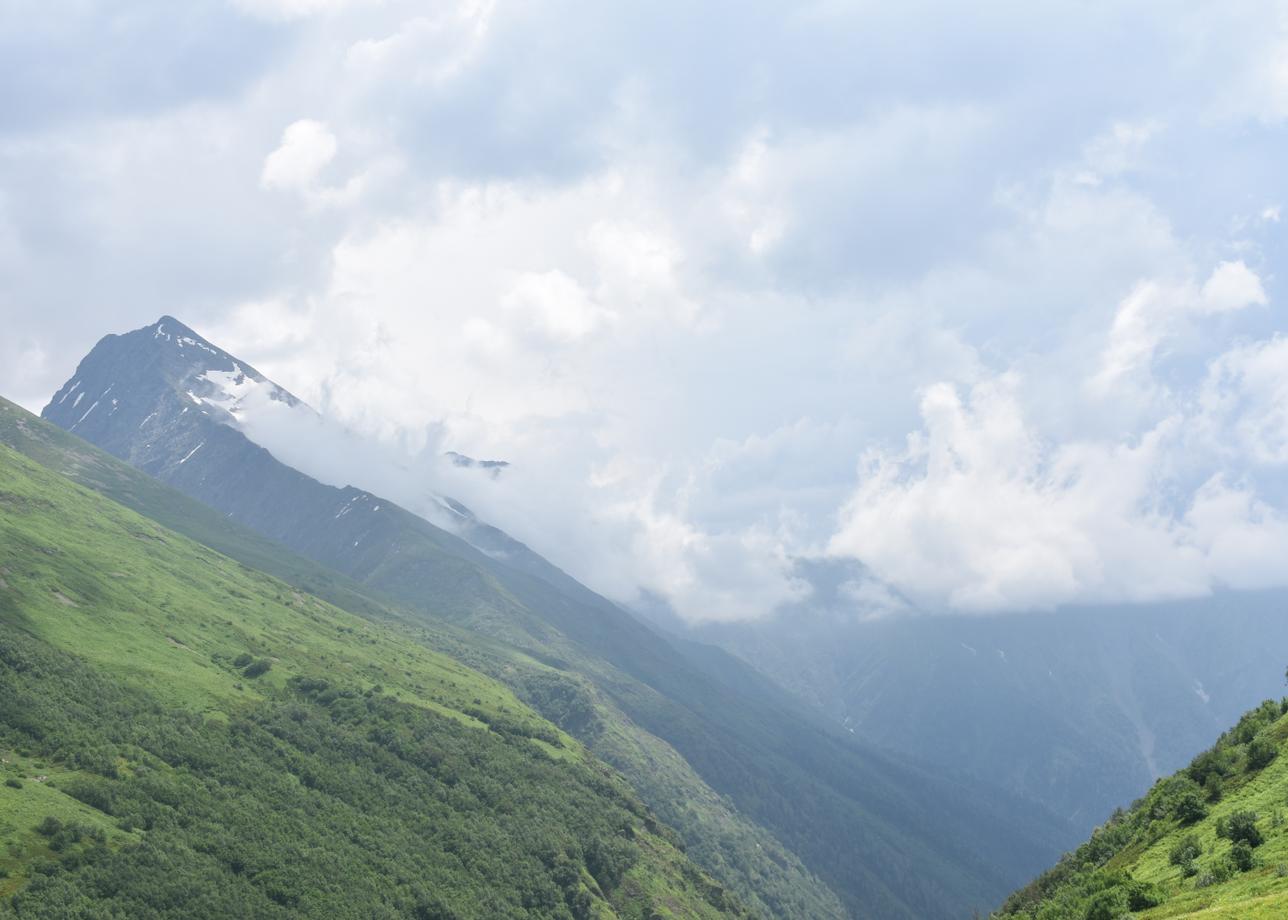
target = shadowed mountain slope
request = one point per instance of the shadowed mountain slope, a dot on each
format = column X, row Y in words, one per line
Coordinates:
column 1079, row 709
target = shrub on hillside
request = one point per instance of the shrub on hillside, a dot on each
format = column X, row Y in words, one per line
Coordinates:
column 1186, row 851
column 1143, row 895
column 257, row 667
column 1241, row 856
column 1218, row 872
column 1190, row 808
column 1242, row 826
column 1109, row 904
column 1261, row 751
column 1213, row 786
column 608, row 859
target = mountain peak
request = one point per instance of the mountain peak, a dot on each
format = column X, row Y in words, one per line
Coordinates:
column 167, row 329
column 175, row 325
column 152, row 378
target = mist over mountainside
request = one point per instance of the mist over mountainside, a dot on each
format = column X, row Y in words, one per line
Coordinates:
column 891, row 839
column 1080, row 709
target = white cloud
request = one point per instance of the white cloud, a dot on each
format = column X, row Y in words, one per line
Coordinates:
column 426, row 51
column 1232, row 286
column 29, row 361
column 1116, row 151
column 557, row 306
column 1244, row 402
column 639, row 252
column 307, row 148
column 981, row 513
column 1154, row 310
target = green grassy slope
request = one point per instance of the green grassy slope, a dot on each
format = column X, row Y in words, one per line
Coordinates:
column 96, row 469
column 184, row 736
column 743, row 856
column 1210, row 841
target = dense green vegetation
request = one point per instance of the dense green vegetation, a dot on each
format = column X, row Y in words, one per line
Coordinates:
column 183, row 736
column 1212, row 839
column 751, row 861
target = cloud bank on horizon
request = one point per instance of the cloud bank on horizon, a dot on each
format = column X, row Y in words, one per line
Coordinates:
column 990, row 304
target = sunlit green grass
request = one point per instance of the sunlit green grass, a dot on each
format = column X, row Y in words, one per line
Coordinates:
column 171, row 615
column 1263, row 892
column 23, row 808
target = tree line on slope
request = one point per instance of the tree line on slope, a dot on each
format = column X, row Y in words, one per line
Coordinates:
column 321, row 801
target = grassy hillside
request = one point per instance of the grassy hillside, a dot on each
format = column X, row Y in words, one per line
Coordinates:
column 743, row 856
column 1210, row 841
column 183, row 736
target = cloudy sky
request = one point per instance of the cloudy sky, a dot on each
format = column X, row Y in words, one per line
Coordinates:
column 988, row 302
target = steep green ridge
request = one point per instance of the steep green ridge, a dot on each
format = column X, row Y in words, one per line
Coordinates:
column 1209, row 841
column 740, row 854
column 182, row 736
column 892, row 839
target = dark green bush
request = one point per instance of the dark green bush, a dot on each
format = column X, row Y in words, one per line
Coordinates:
column 1143, row 895
column 257, row 667
column 1190, row 808
column 1214, row 787
column 1242, row 826
column 1185, row 851
column 1109, row 904
column 609, row 859
column 1261, row 751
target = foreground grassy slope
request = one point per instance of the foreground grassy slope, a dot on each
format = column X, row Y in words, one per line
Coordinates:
column 743, row 856
column 1210, row 841
column 183, row 736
